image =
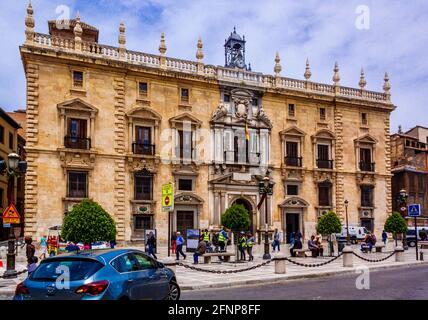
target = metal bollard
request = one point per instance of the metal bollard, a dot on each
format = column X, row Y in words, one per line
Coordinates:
column 280, row 266
column 399, row 254
column 421, row 256
column 348, row 257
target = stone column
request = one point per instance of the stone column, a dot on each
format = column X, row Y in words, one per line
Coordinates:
column 130, row 136
column 62, row 128
column 216, row 210
column 156, row 138
column 399, row 254
column 92, row 130
column 280, row 266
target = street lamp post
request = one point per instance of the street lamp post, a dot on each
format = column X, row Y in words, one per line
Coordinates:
column 402, row 203
column 265, row 189
column 348, row 239
column 12, row 168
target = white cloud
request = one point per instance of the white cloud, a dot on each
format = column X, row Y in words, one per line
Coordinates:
column 323, row 31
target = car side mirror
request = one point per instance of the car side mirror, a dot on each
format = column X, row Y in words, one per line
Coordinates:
column 161, row 265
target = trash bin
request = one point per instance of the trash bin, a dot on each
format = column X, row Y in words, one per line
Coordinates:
column 341, row 243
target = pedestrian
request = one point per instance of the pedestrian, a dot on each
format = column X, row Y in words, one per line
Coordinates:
column 30, row 249
column 276, row 240
column 242, row 241
column 318, row 242
column 179, row 250
column 43, row 246
column 72, row 247
column 151, row 245
column 33, row 265
column 423, row 234
column 250, row 243
column 200, row 250
column 222, row 239
column 297, row 244
column 112, row 244
column 384, row 237
column 312, row 245
column 299, row 235
column 215, row 241
column 86, row 246
column 206, row 235
column 173, row 243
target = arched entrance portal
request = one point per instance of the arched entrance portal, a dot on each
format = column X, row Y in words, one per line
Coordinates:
column 249, row 208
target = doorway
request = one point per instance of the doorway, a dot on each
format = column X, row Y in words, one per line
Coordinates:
column 291, row 224
column 185, row 220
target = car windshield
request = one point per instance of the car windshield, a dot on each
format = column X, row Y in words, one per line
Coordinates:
column 77, row 269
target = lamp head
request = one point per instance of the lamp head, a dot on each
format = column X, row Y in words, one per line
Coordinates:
column 346, row 202
column 13, row 160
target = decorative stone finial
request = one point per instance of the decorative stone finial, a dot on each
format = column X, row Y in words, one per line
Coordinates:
column 122, row 35
column 29, row 23
column 278, row 68
column 78, row 31
column 400, row 130
column 162, row 46
column 387, row 85
column 308, row 72
column 199, row 52
column 336, row 75
column 363, row 81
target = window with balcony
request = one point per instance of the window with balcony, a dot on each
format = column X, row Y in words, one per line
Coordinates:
column 322, row 114
column 184, row 95
column 366, row 163
column 77, row 184
column 76, row 137
column 291, row 110
column 143, row 141
column 366, row 196
column 1, row 134
column 364, row 120
column 323, row 160
column 143, row 182
column 143, row 89
column 324, row 194
column 185, row 145
column 292, row 157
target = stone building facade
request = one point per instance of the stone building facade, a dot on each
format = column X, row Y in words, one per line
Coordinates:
column 114, row 125
column 409, row 158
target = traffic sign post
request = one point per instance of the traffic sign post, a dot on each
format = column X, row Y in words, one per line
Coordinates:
column 168, row 206
column 414, row 210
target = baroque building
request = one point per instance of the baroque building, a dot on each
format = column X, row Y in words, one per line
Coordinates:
column 114, row 125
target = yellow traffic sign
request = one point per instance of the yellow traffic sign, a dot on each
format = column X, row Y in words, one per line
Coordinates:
column 168, row 197
column 11, row 215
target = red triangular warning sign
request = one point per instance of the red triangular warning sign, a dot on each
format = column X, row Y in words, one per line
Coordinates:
column 11, row 215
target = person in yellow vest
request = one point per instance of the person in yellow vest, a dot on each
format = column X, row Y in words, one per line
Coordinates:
column 206, row 235
column 242, row 243
column 222, row 239
column 250, row 243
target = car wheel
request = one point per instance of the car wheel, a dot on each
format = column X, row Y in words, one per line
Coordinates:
column 412, row 244
column 174, row 291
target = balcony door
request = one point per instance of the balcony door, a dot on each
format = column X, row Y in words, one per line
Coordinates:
column 77, row 134
column 143, row 140
column 185, row 144
column 323, row 160
column 366, row 159
column 292, row 154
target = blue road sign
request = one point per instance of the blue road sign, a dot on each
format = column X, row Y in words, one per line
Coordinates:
column 414, row 210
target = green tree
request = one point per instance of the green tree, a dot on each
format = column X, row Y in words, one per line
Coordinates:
column 395, row 224
column 236, row 218
column 329, row 224
column 88, row 222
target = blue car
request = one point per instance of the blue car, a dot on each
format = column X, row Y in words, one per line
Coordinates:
column 113, row 274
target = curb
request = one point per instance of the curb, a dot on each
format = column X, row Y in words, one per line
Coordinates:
column 286, row 277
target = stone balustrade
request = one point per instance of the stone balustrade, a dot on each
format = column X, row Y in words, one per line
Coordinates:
column 217, row 72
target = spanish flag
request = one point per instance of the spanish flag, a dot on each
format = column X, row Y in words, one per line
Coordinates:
column 247, row 133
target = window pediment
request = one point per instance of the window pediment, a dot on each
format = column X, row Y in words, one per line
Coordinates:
column 292, row 131
column 294, row 202
column 77, row 105
column 324, row 134
column 366, row 139
column 185, row 117
column 144, row 113
column 188, row 198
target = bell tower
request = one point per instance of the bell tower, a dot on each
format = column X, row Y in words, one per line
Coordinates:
column 234, row 51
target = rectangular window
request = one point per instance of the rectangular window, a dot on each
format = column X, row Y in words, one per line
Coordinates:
column 77, row 134
column 77, row 184
column 226, row 98
column 364, row 120
column 184, row 95
column 292, row 154
column 292, row 190
column 366, row 159
column 1, row 197
column 291, row 110
column 143, row 141
column 255, row 102
column 323, row 152
column 185, row 184
column 78, row 79
column 142, row 89
column 1, row 134
column 185, row 144
column 324, row 195
column 143, row 222
column 11, row 142
column 143, row 187
column 366, row 196
column 322, row 114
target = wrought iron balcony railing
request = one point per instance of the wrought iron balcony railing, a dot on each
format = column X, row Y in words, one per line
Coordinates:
column 293, row 161
column 367, row 166
column 324, row 164
column 143, row 148
column 77, row 143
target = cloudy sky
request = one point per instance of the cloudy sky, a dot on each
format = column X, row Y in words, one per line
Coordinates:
column 379, row 35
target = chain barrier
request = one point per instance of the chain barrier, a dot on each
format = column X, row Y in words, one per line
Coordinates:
column 374, row 260
column 223, row 271
column 310, row 265
column 17, row 274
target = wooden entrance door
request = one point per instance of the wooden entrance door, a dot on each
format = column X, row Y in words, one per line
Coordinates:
column 185, row 220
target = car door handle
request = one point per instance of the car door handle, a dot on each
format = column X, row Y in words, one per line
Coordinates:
column 130, row 280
